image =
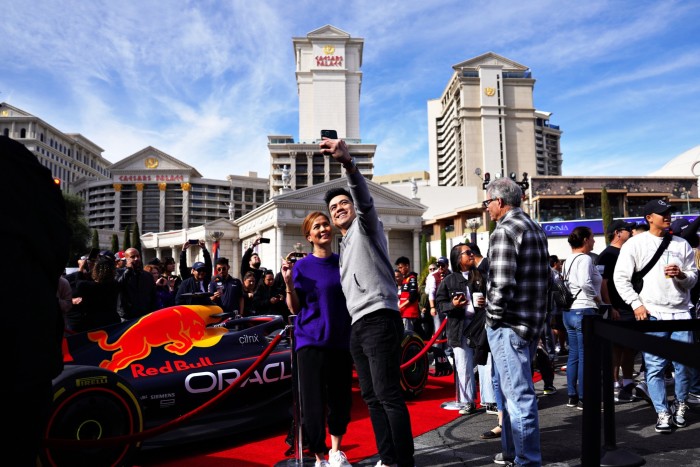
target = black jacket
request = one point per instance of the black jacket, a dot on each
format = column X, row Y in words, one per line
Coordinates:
column 137, row 293
column 189, row 286
column 457, row 323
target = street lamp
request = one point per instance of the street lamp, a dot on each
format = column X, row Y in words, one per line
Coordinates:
column 473, row 224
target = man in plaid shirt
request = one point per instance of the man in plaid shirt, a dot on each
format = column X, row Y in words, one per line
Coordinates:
column 519, row 277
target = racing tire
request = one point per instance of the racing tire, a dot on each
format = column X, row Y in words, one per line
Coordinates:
column 91, row 403
column 414, row 376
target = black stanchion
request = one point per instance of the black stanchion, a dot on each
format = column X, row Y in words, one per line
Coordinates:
column 298, row 460
column 598, row 358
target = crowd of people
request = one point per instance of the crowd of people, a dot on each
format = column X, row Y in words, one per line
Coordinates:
column 353, row 308
column 109, row 288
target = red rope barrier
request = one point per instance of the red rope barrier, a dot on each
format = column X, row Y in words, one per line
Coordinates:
column 128, row 439
column 427, row 346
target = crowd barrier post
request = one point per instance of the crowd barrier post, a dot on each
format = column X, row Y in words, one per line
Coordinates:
column 598, row 336
column 298, row 460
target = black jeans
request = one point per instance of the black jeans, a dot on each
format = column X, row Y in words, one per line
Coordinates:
column 325, row 377
column 375, row 344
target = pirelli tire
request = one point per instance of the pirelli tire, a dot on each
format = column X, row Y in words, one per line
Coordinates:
column 415, row 376
column 94, row 404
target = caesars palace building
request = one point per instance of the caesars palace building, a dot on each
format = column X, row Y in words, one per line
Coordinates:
column 485, row 122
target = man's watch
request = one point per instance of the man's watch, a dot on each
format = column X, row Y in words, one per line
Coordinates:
column 350, row 165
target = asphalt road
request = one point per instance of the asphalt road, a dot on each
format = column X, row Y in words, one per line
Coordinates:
column 458, row 443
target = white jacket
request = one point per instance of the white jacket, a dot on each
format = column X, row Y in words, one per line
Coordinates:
column 664, row 299
column 583, row 276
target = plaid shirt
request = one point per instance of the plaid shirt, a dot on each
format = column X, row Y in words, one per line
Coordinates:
column 519, row 275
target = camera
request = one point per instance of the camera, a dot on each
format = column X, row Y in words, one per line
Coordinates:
column 193, row 242
column 329, row 134
column 264, row 240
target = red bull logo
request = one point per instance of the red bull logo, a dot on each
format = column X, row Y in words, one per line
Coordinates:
column 177, row 329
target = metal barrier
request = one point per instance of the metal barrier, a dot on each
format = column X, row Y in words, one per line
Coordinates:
column 598, row 336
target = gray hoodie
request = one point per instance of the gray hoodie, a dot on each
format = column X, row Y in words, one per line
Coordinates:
column 366, row 273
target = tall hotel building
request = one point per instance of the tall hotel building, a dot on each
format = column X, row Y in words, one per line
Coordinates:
column 329, row 79
column 486, row 120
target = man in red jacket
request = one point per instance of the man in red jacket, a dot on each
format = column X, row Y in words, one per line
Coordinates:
column 408, row 294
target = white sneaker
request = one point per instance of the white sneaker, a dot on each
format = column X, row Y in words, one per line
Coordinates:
column 338, row 459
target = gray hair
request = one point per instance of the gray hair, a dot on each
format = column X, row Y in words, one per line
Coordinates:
column 507, row 190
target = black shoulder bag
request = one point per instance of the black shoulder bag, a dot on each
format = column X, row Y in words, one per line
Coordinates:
column 638, row 276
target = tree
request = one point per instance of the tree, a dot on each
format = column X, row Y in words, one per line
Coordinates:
column 95, row 239
column 127, row 239
column 423, row 250
column 79, row 227
column 136, row 237
column 605, row 212
column 443, row 242
column 115, row 243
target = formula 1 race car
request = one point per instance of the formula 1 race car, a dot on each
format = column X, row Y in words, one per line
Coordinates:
column 179, row 373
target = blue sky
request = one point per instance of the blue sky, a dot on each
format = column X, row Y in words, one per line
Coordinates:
column 207, row 81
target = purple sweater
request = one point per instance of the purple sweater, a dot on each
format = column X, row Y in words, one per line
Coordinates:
column 323, row 320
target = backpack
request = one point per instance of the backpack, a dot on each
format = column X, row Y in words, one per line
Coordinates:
column 561, row 290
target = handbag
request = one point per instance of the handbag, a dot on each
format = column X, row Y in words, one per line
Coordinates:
column 561, row 290
column 638, row 276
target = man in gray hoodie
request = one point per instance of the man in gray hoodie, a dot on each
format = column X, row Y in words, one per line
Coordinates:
column 367, row 278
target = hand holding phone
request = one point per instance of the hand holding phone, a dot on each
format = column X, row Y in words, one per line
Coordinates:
column 329, row 134
column 460, row 296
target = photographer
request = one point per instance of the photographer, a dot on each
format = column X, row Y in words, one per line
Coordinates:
column 185, row 270
column 251, row 259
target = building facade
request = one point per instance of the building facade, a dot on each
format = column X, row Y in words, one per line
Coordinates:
column 485, row 122
column 162, row 193
column 329, row 79
column 69, row 156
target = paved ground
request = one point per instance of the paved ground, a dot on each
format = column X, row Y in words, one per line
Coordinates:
column 458, row 443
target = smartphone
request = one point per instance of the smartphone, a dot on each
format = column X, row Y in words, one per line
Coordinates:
column 459, row 294
column 264, row 240
column 193, row 242
column 329, row 134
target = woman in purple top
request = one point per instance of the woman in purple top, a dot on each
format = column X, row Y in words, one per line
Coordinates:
column 321, row 340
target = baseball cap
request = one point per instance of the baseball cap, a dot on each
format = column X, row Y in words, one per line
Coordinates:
column 619, row 224
column 657, row 206
column 107, row 254
column 442, row 260
column 120, row 255
column 679, row 225
column 198, row 265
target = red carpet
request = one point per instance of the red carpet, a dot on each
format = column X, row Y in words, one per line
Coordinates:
column 358, row 443
column 268, row 449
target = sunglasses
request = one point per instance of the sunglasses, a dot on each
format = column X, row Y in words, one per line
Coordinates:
column 222, row 268
column 467, row 252
column 432, row 269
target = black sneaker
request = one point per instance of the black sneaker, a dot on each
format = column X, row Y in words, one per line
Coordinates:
column 579, row 406
column 679, row 414
column 492, row 408
column 663, row 424
column 573, row 401
column 626, row 394
column 468, row 409
column 549, row 390
column 502, row 460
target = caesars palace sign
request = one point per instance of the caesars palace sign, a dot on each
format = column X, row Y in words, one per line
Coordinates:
column 329, row 58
